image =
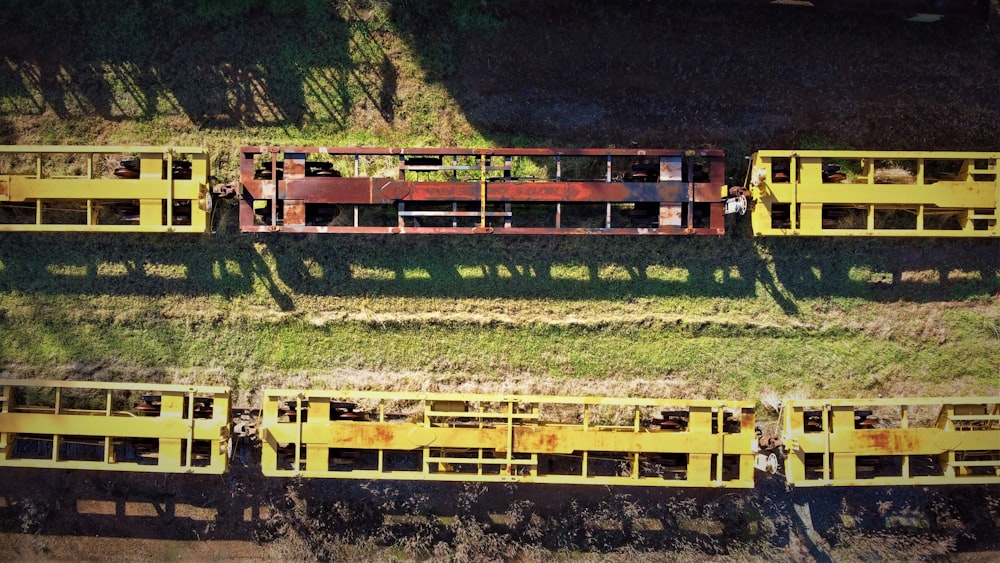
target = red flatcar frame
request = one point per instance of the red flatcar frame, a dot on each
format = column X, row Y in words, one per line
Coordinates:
column 637, row 191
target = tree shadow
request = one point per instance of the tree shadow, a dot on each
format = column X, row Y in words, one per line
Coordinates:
column 686, row 74
column 713, row 72
column 220, row 64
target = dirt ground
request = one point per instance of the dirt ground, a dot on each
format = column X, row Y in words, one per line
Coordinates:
column 63, row 516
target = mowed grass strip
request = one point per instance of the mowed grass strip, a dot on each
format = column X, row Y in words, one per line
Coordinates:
column 717, row 360
column 730, row 316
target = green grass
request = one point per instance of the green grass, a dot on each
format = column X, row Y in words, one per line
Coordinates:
column 719, row 361
column 723, row 316
column 309, row 72
column 728, row 317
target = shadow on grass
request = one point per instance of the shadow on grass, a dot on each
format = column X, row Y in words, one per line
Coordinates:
column 495, row 521
column 698, row 72
column 710, row 71
column 220, row 63
column 561, row 268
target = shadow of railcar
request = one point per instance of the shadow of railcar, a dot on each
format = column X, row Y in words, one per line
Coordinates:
column 330, row 514
column 518, row 267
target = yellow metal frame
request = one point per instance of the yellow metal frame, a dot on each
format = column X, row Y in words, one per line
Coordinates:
column 962, row 446
column 173, row 431
column 972, row 196
column 154, row 191
column 504, row 438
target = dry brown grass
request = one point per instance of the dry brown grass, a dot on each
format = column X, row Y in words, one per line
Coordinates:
column 894, row 175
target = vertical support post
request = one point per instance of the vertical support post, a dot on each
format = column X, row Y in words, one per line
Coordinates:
column 720, row 426
column 200, row 168
column 700, row 424
column 536, row 412
column 190, row 419
column 510, row 438
column 793, row 178
column 635, row 457
column 948, row 458
column 904, row 422
column 318, row 455
column 6, row 439
column 268, row 416
column 172, row 408
column 170, row 195
column 274, row 194
column 844, row 464
column 748, row 426
column 299, row 415
column 794, row 424
column 381, row 452
column 690, row 170
column 482, row 191
column 56, row 438
column 150, row 209
column 825, row 425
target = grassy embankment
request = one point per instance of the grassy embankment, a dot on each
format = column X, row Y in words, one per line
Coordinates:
column 709, row 317
column 729, row 318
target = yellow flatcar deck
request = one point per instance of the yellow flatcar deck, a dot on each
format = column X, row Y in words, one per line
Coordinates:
column 141, row 427
column 508, row 438
column 106, row 189
column 878, row 442
column 875, row 193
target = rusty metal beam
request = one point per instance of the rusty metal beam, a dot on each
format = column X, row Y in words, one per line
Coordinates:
column 507, row 438
column 659, row 191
